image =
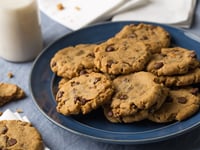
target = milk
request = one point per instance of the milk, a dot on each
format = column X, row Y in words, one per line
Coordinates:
column 20, row 31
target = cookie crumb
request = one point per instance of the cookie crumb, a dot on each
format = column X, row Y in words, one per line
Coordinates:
column 60, row 6
column 77, row 8
column 10, row 75
column 19, row 110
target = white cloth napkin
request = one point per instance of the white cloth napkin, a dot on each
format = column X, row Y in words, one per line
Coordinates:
column 9, row 115
column 173, row 12
column 79, row 13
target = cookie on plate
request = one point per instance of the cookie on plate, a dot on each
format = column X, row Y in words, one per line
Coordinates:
column 10, row 92
column 83, row 94
column 172, row 61
column 192, row 77
column 121, row 56
column 73, row 61
column 135, row 92
column 155, row 37
column 179, row 105
column 18, row 135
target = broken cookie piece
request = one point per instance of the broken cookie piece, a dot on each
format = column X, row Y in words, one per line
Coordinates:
column 10, row 92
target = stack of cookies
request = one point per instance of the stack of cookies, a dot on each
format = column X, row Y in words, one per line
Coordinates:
column 133, row 76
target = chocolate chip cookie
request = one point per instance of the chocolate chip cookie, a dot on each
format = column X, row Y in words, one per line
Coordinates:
column 121, row 56
column 135, row 92
column 73, row 61
column 179, row 105
column 10, row 92
column 83, row 94
column 18, row 135
column 155, row 37
column 173, row 61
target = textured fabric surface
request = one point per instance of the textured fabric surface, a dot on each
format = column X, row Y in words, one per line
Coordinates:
column 59, row 139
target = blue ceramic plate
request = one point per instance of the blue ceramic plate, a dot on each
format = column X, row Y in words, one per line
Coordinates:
column 43, row 84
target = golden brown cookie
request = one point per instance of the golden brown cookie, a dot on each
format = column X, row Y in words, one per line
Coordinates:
column 10, row 92
column 155, row 37
column 83, row 94
column 180, row 104
column 172, row 61
column 73, row 61
column 121, row 56
column 18, row 135
column 136, row 91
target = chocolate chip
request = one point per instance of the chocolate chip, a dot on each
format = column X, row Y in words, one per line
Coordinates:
column 91, row 55
column 60, row 94
column 76, row 99
column 81, row 100
column 194, row 91
column 182, row 100
column 158, row 65
column 109, row 63
column 11, row 142
column 4, row 130
column 53, row 64
column 97, row 80
column 163, row 55
column 144, row 38
column 110, row 113
column 133, row 106
column 82, row 72
column 122, row 97
column 73, row 83
column 110, row 48
column 193, row 54
column 126, row 80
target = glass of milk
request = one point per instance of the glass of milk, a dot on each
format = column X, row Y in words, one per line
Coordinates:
column 20, row 31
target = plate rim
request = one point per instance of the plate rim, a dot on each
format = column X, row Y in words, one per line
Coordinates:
column 108, row 140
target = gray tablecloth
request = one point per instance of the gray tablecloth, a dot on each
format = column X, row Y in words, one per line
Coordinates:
column 59, row 139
